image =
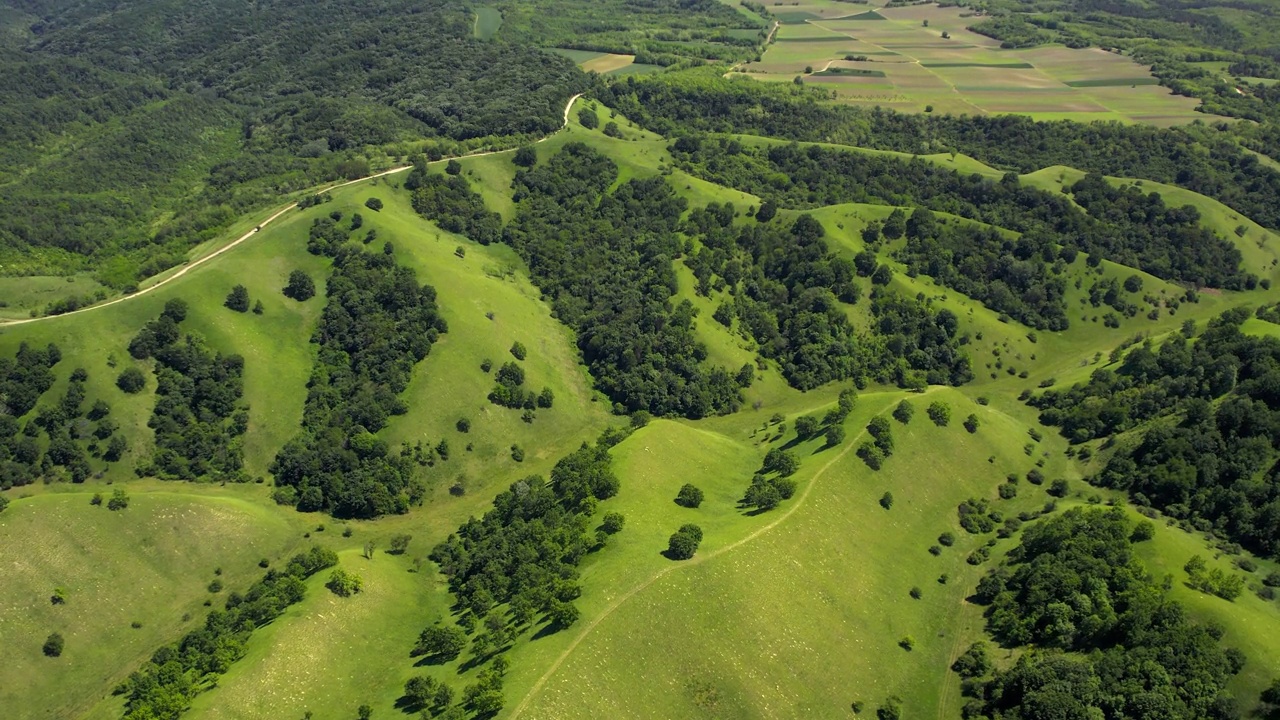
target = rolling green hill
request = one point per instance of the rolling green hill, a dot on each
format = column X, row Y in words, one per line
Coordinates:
column 798, row 611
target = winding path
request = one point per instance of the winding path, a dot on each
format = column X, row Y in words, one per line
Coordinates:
column 193, row 264
column 696, row 560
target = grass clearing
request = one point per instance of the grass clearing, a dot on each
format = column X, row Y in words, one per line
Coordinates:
column 488, row 23
column 33, row 293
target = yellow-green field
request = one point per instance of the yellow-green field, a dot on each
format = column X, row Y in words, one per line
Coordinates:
column 903, row 61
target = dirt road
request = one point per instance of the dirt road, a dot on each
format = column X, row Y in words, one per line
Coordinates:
column 193, row 264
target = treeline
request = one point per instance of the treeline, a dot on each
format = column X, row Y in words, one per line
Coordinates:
column 604, row 261
column 377, row 324
column 165, row 685
column 198, row 419
column 1108, row 641
column 1198, row 158
column 1122, row 225
column 1210, row 460
column 517, row 565
column 23, row 379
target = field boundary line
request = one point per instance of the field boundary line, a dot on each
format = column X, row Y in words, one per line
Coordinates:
column 193, row 264
column 696, row 560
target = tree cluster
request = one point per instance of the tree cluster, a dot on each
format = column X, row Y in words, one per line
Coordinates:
column 378, row 323
column 642, row 352
column 518, row 563
column 1213, row 462
column 1110, row 643
column 198, row 418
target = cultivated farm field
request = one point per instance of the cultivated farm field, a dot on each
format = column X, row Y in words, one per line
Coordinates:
column 921, row 57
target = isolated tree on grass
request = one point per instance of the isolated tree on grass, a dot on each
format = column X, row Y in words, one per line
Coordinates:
column 119, row 500
column 613, row 522
column 373, row 204
column 53, row 645
column 684, row 542
column 131, row 380
column 835, row 435
column 453, row 167
column 588, row 118
column 399, row 543
column 939, row 413
column 238, row 299
column 806, row 426
column 903, row 412
column 301, row 287
column 690, row 496
column 343, row 583
column 440, row 644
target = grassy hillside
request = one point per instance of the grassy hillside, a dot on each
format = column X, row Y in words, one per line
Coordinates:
column 149, row 564
column 817, row 588
column 797, row 612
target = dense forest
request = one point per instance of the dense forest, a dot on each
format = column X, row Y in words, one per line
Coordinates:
column 377, row 324
column 1107, row 640
column 640, row 346
column 248, row 100
column 1205, row 159
column 1211, row 460
column 1125, row 226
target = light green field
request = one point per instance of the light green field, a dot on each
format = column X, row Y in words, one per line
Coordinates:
column 488, row 22
column 150, row 563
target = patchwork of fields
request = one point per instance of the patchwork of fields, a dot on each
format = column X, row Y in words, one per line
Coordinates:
column 921, row 58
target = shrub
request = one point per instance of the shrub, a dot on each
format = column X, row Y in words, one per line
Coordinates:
column 53, row 645
column 588, row 118
column 373, row 204
column 517, row 350
column 939, row 413
column 119, row 500
column 453, row 167
column 1008, row 491
column 916, row 593
column 131, row 380
column 343, row 583
column 1035, row 477
column 886, row 501
column 947, row 538
column 463, row 425
column 892, row 707
column 971, row 423
column 1059, row 488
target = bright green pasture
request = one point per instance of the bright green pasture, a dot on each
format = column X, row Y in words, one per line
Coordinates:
column 150, row 563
